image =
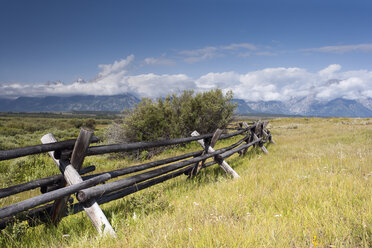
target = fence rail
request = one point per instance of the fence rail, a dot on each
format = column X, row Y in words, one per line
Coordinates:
column 89, row 190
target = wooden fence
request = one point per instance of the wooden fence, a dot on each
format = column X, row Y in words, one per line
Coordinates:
column 90, row 192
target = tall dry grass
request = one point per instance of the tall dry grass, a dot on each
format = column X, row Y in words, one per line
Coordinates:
column 312, row 190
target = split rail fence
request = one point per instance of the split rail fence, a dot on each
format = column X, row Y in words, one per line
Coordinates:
column 89, row 189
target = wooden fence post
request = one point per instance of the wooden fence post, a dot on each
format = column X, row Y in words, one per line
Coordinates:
column 71, row 175
column 250, row 139
column 224, row 165
column 77, row 159
column 267, row 133
column 270, row 137
column 213, row 142
column 259, row 130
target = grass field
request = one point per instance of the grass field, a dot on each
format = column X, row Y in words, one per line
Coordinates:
column 312, row 190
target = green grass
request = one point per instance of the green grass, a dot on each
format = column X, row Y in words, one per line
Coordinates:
column 315, row 182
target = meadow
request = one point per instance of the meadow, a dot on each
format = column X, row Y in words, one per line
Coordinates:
column 312, row 190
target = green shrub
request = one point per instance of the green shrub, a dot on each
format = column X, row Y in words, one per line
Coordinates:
column 90, row 123
column 77, row 123
column 177, row 116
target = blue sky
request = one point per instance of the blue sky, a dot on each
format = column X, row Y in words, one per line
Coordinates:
column 173, row 45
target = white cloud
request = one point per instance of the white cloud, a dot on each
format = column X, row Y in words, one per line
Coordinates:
column 222, row 80
column 116, row 66
column 268, row 84
column 329, row 72
column 158, row 61
column 192, row 56
column 342, row 49
column 112, row 80
column 353, row 85
column 286, row 83
column 152, row 85
column 348, row 88
column 234, row 46
column 199, row 54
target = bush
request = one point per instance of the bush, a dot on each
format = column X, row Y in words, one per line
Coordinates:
column 90, row 124
column 177, row 116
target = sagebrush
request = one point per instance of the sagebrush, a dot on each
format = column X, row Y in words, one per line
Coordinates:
column 176, row 116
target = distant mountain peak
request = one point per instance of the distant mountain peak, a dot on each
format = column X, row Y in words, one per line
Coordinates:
column 69, row 103
column 80, row 81
column 307, row 106
column 311, row 106
column 49, row 83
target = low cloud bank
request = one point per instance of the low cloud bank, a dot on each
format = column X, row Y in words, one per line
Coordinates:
column 267, row 84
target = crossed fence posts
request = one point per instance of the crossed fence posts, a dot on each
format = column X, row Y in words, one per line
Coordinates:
column 90, row 192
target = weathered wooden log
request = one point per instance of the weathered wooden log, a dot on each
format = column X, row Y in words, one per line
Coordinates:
column 260, row 144
column 42, row 213
column 224, row 165
column 268, row 133
column 257, row 129
column 140, row 186
column 98, row 191
column 70, row 171
column 231, row 152
column 35, row 215
column 215, row 137
column 76, row 208
column 50, row 196
column 235, row 150
column 61, row 147
column 97, row 150
column 30, row 150
column 141, row 167
column 52, row 187
column 43, row 182
column 213, row 142
column 263, row 148
column 232, row 128
column 91, row 207
column 249, row 137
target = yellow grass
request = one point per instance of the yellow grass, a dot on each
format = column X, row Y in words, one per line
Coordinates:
column 312, row 190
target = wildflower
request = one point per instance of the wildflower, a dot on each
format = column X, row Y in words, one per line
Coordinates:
column 315, row 242
column 277, row 215
column 190, row 229
column 196, row 204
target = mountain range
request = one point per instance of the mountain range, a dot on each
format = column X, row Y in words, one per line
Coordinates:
column 310, row 106
column 69, row 103
column 306, row 106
